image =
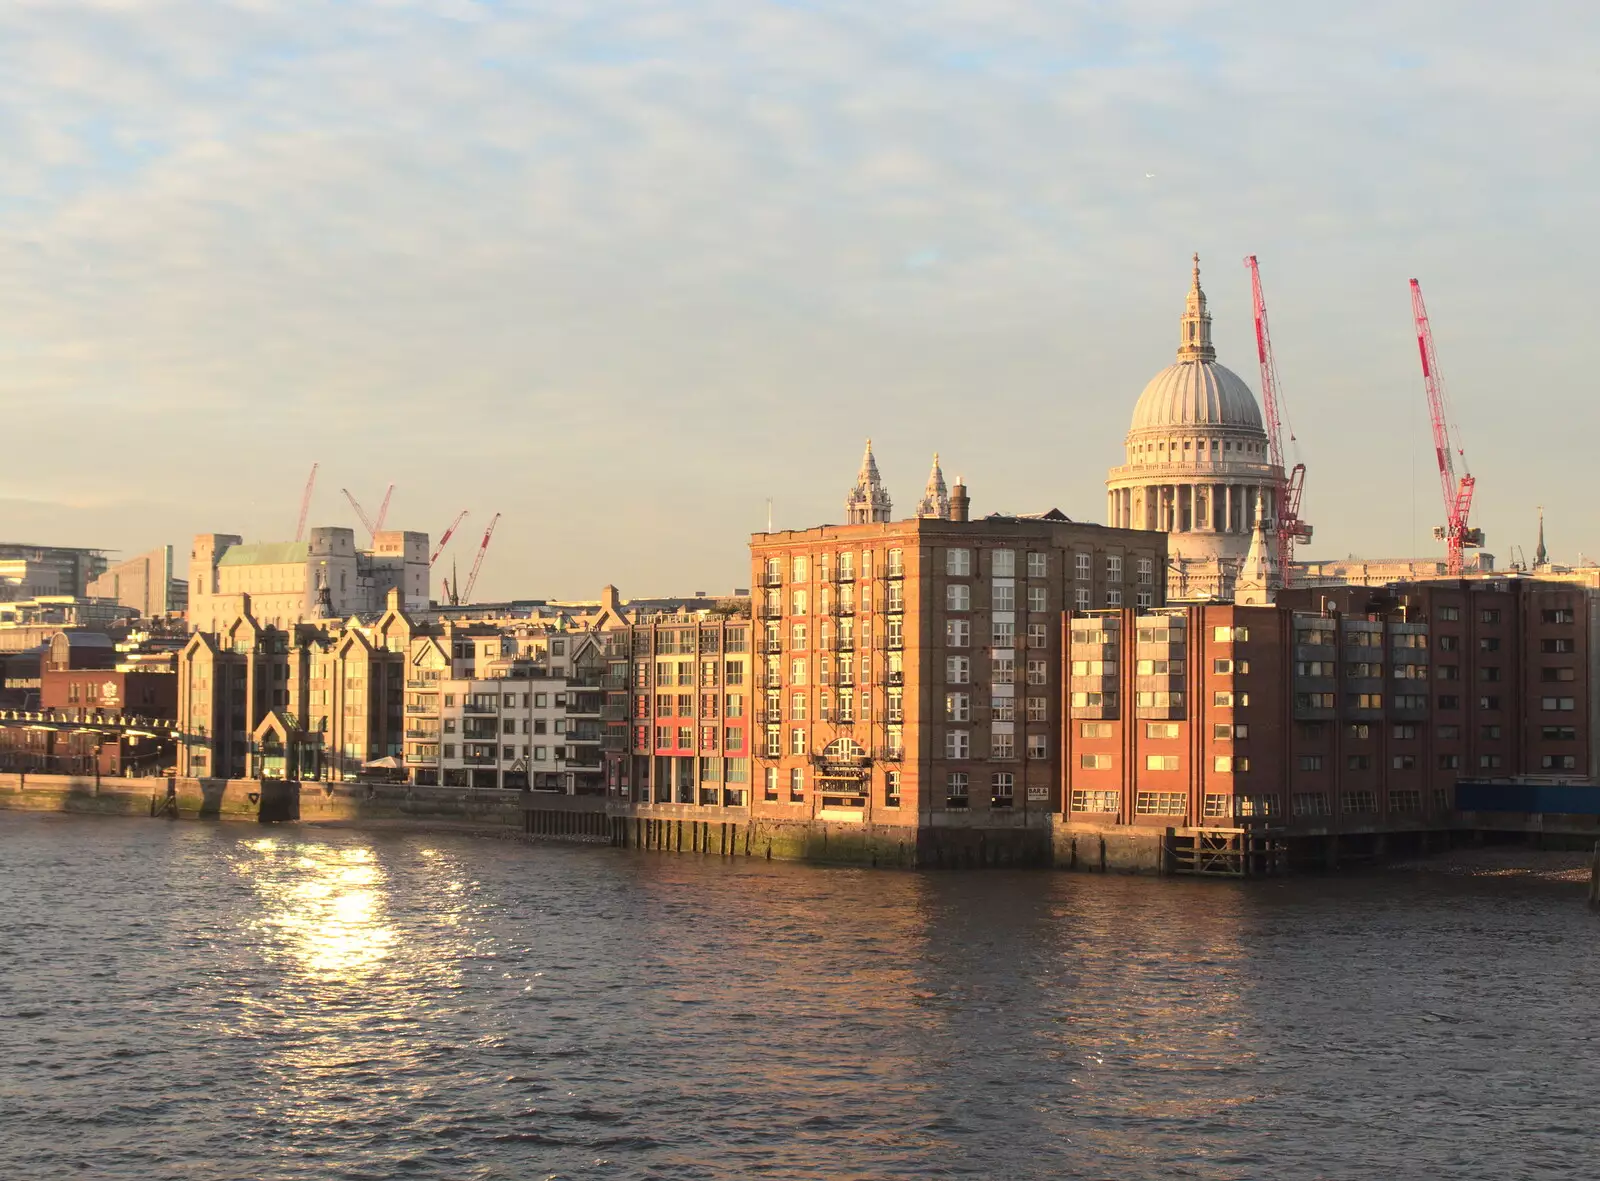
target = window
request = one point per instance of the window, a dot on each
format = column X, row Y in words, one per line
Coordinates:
column 1410, row 701
column 1405, row 800
column 1094, row 700
column 1560, row 704
column 1080, row 598
column 1406, row 730
column 770, row 784
column 1449, row 762
column 1095, row 762
column 1359, row 762
column 797, row 707
column 1223, row 763
column 1094, row 730
column 1038, row 672
column 1004, row 709
column 1489, row 673
column 1311, row 803
column 1559, row 615
column 774, row 742
column 957, row 670
column 1313, row 700
column 1038, row 598
column 1449, row 643
column 733, row 738
column 958, row 597
column 957, row 744
column 1223, row 699
column 1449, row 701
column 1449, row 614
column 1150, row 700
column 1314, row 668
column 1146, row 574
column 1113, row 568
column 1003, row 563
column 1557, row 646
column 1159, row 803
column 1489, row 615
column 1157, row 668
column 797, row 637
column 1363, row 700
column 797, row 672
column 1038, row 635
column 897, row 563
column 797, row 784
column 1310, row 762
column 957, row 707
column 1217, row 805
column 1489, row 762
column 1038, row 746
column 798, row 568
column 1404, row 762
column 797, row 741
column 1038, row 565
column 1489, row 731
column 1222, row 731
column 1158, row 729
column 1559, row 733
column 1095, row 801
column 1083, row 567
column 1038, row 709
column 1004, row 671
column 1002, row 745
column 1558, row 762
column 1488, row 703
column 1113, row 596
column 1558, row 674
column 1003, row 633
column 958, row 563
column 955, row 789
column 891, row 789
column 957, row 633
column 1360, row 801
column 1161, row 762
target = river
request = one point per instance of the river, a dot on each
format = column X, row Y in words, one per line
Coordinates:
column 227, row 1001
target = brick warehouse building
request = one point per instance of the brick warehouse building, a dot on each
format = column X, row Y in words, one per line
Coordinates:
column 1339, row 715
column 909, row 671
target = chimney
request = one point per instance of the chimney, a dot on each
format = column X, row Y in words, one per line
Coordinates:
column 960, row 502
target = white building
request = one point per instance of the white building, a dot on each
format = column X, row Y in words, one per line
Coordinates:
column 289, row 582
column 1197, row 463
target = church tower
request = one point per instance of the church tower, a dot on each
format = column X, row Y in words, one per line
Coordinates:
column 868, row 501
column 935, row 497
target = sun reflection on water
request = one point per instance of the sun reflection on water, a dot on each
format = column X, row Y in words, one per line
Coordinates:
column 324, row 905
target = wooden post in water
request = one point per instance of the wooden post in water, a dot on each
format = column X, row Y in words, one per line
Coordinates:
column 1594, row 878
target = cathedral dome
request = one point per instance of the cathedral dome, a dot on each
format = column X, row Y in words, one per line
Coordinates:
column 1196, row 394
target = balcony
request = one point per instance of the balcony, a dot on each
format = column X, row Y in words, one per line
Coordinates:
column 613, row 713
column 425, row 710
column 895, row 572
column 413, row 759
column 845, row 609
column 846, row 644
column 423, row 683
column 772, row 580
column 891, row 754
column 769, row 612
column 480, row 761
column 427, row 734
column 774, row 647
column 615, row 743
column 614, row 681
column 897, row 677
column 473, row 707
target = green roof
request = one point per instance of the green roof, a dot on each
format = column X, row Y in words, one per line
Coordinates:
column 266, row 553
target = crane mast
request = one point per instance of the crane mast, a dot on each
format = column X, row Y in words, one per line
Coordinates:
column 1457, row 533
column 1291, row 482
column 448, row 534
column 305, row 503
column 477, row 564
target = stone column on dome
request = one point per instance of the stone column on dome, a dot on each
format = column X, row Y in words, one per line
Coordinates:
column 1227, row 511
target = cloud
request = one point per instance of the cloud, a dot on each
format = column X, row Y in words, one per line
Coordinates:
column 623, row 275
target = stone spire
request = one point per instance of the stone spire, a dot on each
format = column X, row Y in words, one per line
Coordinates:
column 868, row 501
column 935, row 497
column 1541, row 557
column 1259, row 579
column 1194, row 341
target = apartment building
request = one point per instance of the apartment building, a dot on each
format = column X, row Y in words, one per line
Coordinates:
column 1344, row 709
column 679, row 694
column 910, row 671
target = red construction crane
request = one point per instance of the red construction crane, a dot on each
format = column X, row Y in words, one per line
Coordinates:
column 472, row 579
column 366, row 521
column 383, row 510
column 305, row 504
column 1456, row 533
column 448, row 534
column 1291, row 482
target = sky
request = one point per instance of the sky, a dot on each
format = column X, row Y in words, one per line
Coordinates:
column 624, row 271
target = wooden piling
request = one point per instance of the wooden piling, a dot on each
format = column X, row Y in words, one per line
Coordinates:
column 1594, row 878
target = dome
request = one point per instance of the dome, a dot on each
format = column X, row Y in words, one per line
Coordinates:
column 1197, row 394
